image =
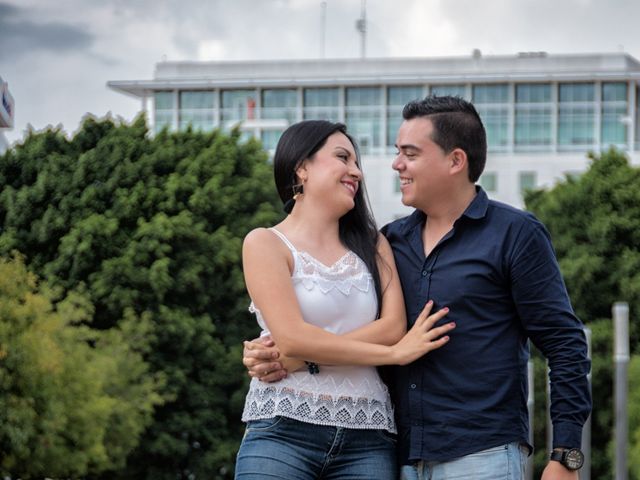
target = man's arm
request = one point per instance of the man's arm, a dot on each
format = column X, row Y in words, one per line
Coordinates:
column 545, row 310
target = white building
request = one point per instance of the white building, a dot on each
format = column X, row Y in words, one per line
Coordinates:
column 6, row 114
column 542, row 112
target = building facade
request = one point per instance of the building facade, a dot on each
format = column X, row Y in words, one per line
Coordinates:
column 542, row 112
column 6, row 114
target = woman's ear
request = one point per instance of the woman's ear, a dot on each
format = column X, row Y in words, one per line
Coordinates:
column 301, row 172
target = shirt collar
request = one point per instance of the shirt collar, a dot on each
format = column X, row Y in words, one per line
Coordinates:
column 477, row 209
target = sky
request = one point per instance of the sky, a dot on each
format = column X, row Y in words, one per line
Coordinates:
column 57, row 55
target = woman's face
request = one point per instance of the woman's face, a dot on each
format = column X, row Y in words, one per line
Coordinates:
column 332, row 175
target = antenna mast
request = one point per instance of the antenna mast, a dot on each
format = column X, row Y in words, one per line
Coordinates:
column 323, row 26
column 361, row 26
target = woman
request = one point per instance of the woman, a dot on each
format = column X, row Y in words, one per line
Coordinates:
column 317, row 281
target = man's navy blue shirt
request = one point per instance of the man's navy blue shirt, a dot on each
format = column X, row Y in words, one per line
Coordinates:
column 497, row 272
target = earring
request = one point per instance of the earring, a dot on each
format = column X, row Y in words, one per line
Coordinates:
column 297, row 190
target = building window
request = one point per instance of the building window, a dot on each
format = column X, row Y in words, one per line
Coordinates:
column 451, row 90
column 576, row 116
column 492, row 103
column 280, row 104
column 637, row 136
column 489, row 181
column 396, row 184
column 270, row 139
column 196, row 109
column 363, row 116
column 527, row 181
column 237, row 105
column 533, row 117
column 322, row 104
column 615, row 115
column 397, row 98
column 163, row 110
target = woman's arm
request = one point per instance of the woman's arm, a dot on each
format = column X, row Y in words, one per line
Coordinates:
column 268, row 280
column 391, row 326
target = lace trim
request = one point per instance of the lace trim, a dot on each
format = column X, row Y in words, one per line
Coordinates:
column 361, row 413
column 348, row 272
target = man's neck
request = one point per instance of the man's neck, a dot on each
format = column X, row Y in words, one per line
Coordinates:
column 446, row 212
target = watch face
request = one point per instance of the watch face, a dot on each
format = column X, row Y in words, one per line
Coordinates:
column 573, row 459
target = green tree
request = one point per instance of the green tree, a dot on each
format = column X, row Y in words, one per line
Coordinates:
column 73, row 401
column 594, row 221
column 155, row 225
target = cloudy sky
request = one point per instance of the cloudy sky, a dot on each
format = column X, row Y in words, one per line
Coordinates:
column 57, row 55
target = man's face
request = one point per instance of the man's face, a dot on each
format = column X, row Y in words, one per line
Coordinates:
column 422, row 165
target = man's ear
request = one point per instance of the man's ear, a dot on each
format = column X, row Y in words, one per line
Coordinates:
column 458, row 159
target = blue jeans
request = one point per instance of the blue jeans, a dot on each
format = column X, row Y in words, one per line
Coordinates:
column 284, row 448
column 506, row 462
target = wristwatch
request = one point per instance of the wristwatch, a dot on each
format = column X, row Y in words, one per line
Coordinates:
column 571, row 458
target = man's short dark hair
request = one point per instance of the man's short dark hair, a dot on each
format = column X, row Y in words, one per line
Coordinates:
column 456, row 124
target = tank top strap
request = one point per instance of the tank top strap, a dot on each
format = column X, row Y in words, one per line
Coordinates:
column 284, row 239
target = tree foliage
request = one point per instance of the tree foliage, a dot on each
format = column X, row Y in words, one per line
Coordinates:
column 155, row 225
column 73, row 400
column 594, row 221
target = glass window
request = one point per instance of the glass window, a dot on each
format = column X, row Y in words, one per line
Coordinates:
column 492, row 103
column 163, row 110
column 280, row 104
column 396, row 184
column 489, row 181
column 452, row 90
column 397, row 98
column 196, row 109
column 322, row 104
column 637, row 136
column 533, row 117
column 498, row 93
column 238, row 105
column 533, row 93
column 401, row 95
column 576, row 92
column 576, row 116
column 270, row 139
column 363, row 116
column 614, row 92
column 527, row 181
column 615, row 114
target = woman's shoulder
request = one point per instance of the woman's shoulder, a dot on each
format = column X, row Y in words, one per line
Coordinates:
column 260, row 237
column 382, row 245
column 263, row 240
column 262, row 246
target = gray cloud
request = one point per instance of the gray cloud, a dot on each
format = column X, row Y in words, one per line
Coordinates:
column 123, row 39
column 19, row 35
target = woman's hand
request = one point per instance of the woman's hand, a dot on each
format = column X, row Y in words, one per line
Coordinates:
column 423, row 337
column 262, row 359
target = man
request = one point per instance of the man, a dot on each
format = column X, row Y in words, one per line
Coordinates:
column 461, row 410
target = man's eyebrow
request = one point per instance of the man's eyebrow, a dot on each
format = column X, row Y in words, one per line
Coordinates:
column 408, row 147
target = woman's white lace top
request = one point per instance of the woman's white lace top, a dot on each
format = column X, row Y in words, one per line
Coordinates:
column 339, row 298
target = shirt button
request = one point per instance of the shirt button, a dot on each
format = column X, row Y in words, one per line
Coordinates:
column 424, row 273
column 413, row 386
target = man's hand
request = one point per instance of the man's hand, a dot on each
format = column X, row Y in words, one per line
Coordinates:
column 260, row 356
column 556, row 471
